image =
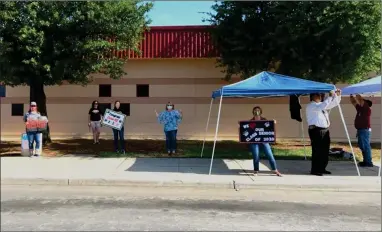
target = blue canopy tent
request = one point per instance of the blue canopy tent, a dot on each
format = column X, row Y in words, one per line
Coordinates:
column 369, row 87
column 267, row 84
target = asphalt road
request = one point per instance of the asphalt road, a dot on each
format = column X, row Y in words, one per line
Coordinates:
column 107, row 208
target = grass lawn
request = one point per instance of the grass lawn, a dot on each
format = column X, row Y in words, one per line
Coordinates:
column 283, row 150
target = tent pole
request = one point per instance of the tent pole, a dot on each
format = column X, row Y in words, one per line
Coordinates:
column 216, row 132
column 303, row 138
column 347, row 135
column 205, row 134
column 380, row 164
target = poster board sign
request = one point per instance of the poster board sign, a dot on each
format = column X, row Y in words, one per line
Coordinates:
column 39, row 124
column 262, row 131
column 113, row 119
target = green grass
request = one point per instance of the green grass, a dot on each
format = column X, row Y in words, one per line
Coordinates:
column 224, row 150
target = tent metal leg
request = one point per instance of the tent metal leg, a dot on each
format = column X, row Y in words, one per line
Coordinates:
column 348, row 137
column 303, row 138
column 208, row 122
column 216, row 132
column 380, row 164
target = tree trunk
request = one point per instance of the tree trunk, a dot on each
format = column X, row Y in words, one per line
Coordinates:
column 37, row 94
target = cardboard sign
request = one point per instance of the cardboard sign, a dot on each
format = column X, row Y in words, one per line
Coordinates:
column 263, row 131
column 113, row 119
column 37, row 125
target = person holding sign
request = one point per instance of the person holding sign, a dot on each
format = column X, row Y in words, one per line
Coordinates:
column 95, row 117
column 119, row 133
column 170, row 118
column 32, row 124
column 254, row 147
column 317, row 117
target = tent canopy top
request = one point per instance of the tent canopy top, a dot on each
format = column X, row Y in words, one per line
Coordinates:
column 370, row 86
column 268, row 84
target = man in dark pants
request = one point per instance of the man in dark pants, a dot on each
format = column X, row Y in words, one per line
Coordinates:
column 318, row 121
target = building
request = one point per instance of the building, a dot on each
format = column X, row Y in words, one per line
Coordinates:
column 177, row 64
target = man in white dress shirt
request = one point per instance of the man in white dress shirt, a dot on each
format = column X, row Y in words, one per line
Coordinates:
column 317, row 116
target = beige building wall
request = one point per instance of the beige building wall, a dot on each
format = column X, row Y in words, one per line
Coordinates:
column 188, row 84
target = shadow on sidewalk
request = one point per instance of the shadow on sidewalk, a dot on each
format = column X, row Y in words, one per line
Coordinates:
column 337, row 168
column 185, row 166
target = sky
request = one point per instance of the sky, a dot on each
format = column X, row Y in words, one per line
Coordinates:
column 176, row 13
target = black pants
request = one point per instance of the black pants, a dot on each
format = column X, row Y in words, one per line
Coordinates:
column 320, row 142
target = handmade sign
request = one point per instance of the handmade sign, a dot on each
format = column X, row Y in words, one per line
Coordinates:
column 263, row 131
column 39, row 124
column 113, row 119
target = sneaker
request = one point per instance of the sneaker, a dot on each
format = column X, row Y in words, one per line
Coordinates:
column 278, row 173
column 36, row 155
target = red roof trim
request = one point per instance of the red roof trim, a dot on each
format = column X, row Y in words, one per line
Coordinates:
column 185, row 28
column 179, row 42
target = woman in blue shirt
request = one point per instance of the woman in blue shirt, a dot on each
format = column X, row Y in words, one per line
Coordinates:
column 170, row 118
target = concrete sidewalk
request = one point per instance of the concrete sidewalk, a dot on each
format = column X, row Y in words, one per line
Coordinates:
column 180, row 172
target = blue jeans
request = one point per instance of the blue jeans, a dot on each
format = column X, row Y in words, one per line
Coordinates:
column 256, row 155
column 171, row 140
column 33, row 137
column 363, row 136
column 121, row 135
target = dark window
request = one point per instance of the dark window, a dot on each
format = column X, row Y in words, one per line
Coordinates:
column 104, row 90
column 17, row 109
column 125, row 107
column 104, row 106
column 2, row 91
column 143, row 90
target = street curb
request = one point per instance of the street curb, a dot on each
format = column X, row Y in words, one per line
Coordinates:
column 198, row 185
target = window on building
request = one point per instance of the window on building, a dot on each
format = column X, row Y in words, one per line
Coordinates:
column 2, row 90
column 125, row 107
column 104, row 106
column 17, row 109
column 143, row 91
column 104, row 90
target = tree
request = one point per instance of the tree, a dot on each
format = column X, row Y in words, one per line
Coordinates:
column 47, row 43
column 333, row 41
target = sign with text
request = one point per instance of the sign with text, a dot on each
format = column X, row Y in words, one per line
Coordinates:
column 39, row 124
column 113, row 119
column 263, row 131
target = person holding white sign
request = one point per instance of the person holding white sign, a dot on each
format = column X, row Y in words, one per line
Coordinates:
column 254, row 147
column 31, row 118
column 170, row 118
column 95, row 118
column 119, row 133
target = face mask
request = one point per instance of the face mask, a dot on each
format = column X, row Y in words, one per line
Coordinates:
column 169, row 107
column 257, row 113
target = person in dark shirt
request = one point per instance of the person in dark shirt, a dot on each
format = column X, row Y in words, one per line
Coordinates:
column 254, row 147
column 95, row 118
column 362, row 124
column 119, row 133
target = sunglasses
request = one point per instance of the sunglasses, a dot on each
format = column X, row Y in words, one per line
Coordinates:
column 33, row 106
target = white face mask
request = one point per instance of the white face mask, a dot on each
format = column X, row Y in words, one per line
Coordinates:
column 169, row 107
